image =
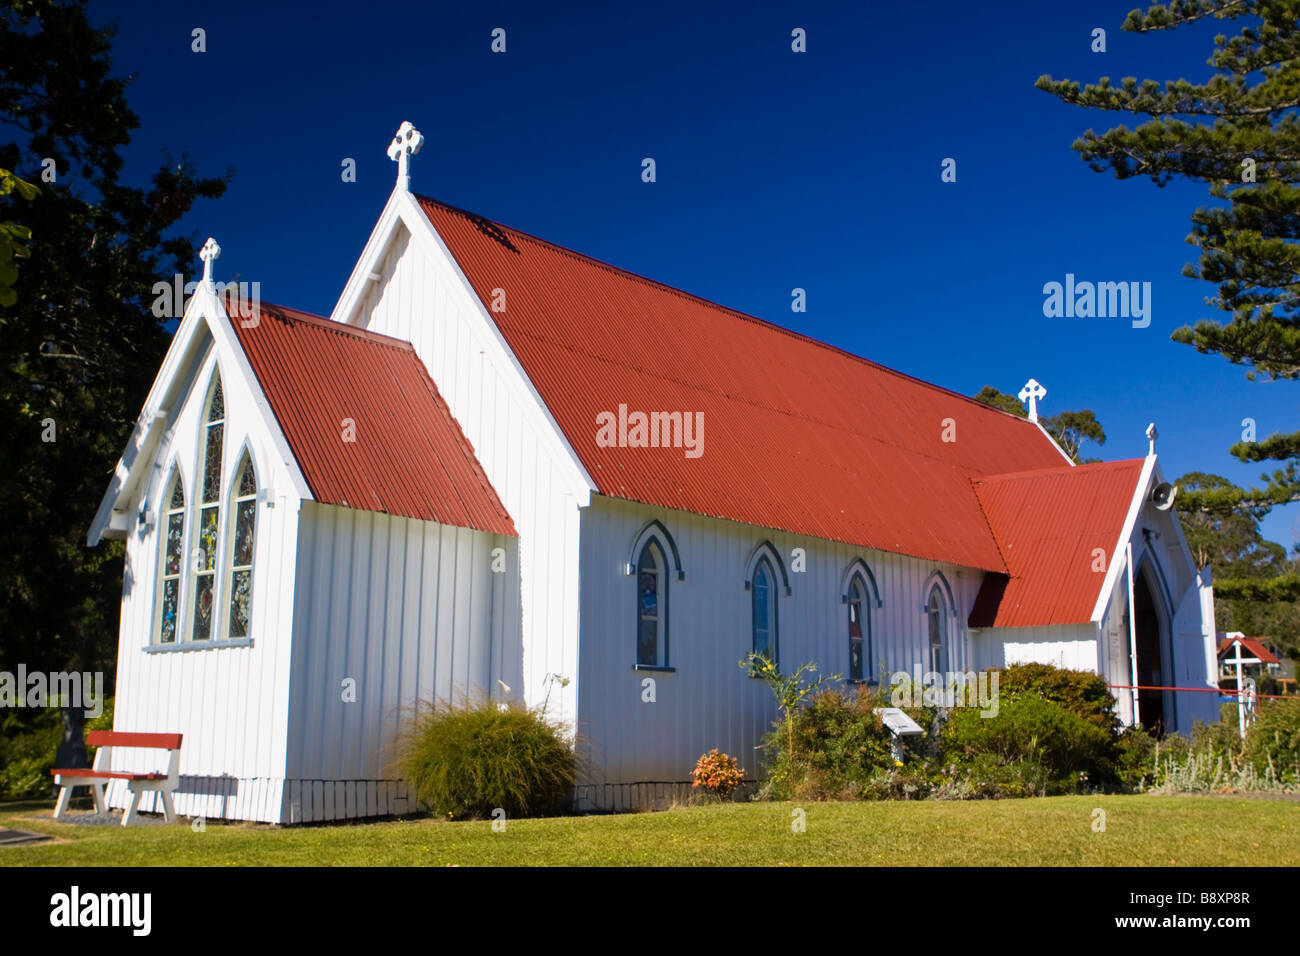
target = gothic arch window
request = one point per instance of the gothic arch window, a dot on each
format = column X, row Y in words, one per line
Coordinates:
column 859, row 630
column 207, row 537
column 763, row 593
column 860, row 598
column 652, row 605
column 936, row 612
column 171, row 559
column 242, row 518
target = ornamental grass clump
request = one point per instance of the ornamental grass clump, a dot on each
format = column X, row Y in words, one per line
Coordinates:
column 718, row 774
column 467, row 760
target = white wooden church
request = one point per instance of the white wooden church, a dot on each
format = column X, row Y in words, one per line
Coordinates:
column 503, row 468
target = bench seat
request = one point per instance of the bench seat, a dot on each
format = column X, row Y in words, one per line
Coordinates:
column 138, row 783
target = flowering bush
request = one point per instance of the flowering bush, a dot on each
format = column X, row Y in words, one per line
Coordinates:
column 718, row 774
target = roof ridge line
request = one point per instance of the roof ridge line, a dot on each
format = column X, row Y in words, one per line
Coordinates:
column 288, row 313
column 1007, row 475
column 744, row 316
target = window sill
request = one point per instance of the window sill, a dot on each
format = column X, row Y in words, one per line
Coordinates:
column 196, row 646
column 654, row 667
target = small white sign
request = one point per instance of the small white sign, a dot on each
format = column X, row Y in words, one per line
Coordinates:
column 898, row 722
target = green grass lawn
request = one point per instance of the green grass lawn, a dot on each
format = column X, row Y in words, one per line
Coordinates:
column 1055, row 831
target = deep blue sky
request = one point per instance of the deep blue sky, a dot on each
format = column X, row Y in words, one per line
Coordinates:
column 775, row 170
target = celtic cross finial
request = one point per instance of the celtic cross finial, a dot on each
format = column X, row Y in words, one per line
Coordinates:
column 1031, row 393
column 208, row 253
column 405, row 144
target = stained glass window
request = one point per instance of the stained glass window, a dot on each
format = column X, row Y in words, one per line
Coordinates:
column 652, row 585
column 241, row 552
column 938, row 620
column 764, row 611
column 173, row 546
column 858, row 629
column 205, row 551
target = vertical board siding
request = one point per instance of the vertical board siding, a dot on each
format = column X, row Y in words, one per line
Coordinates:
column 407, row 610
column 230, row 703
column 422, row 298
column 708, row 701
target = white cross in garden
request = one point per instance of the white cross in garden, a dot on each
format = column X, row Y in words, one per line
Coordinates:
column 1031, row 393
column 405, row 144
column 208, row 253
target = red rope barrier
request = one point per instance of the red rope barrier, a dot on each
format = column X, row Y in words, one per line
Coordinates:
column 1197, row 690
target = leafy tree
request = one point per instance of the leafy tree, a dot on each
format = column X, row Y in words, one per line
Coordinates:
column 12, row 238
column 79, row 347
column 1239, row 133
column 1254, row 580
column 1069, row 429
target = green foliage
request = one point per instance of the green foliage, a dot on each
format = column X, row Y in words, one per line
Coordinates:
column 29, row 739
column 1069, row 429
column 1256, row 586
column 1082, row 693
column 466, row 761
column 1135, row 766
column 789, row 691
column 80, row 345
column 1243, row 142
column 1273, row 740
column 829, row 749
column 1214, row 759
column 1033, row 746
column 1007, row 403
column 13, row 238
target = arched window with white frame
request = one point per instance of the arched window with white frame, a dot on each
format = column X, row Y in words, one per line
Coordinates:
column 652, row 606
column 243, row 521
column 207, row 534
column 171, row 559
column 936, row 611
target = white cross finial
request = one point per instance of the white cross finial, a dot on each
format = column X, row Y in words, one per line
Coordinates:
column 405, row 144
column 1152, row 435
column 208, row 253
column 1031, row 393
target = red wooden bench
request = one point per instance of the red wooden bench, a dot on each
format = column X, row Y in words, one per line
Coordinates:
column 95, row 778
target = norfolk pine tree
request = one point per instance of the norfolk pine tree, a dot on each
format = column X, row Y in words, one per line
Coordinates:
column 1239, row 133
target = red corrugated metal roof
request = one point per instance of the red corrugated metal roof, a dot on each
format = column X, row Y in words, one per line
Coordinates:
column 409, row 457
column 1047, row 524
column 798, row 435
column 1250, row 645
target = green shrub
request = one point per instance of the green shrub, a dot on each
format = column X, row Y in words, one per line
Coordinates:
column 29, row 740
column 1082, row 693
column 1135, row 763
column 838, row 748
column 1033, row 745
column 465, row 761
column 1274, row 739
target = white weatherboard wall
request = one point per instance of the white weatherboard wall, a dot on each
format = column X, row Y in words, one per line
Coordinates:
column 709, row 701
column 1186, row 616
column 421, row 296
column 411, row 612
column 1073, row 646
column 230, row 703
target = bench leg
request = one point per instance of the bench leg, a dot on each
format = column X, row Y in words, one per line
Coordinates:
column 169, row 808
column 61, row 807
column 97, row 790
column 132, row 807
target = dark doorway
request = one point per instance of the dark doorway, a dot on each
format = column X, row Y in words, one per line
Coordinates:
column 1150, row 671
